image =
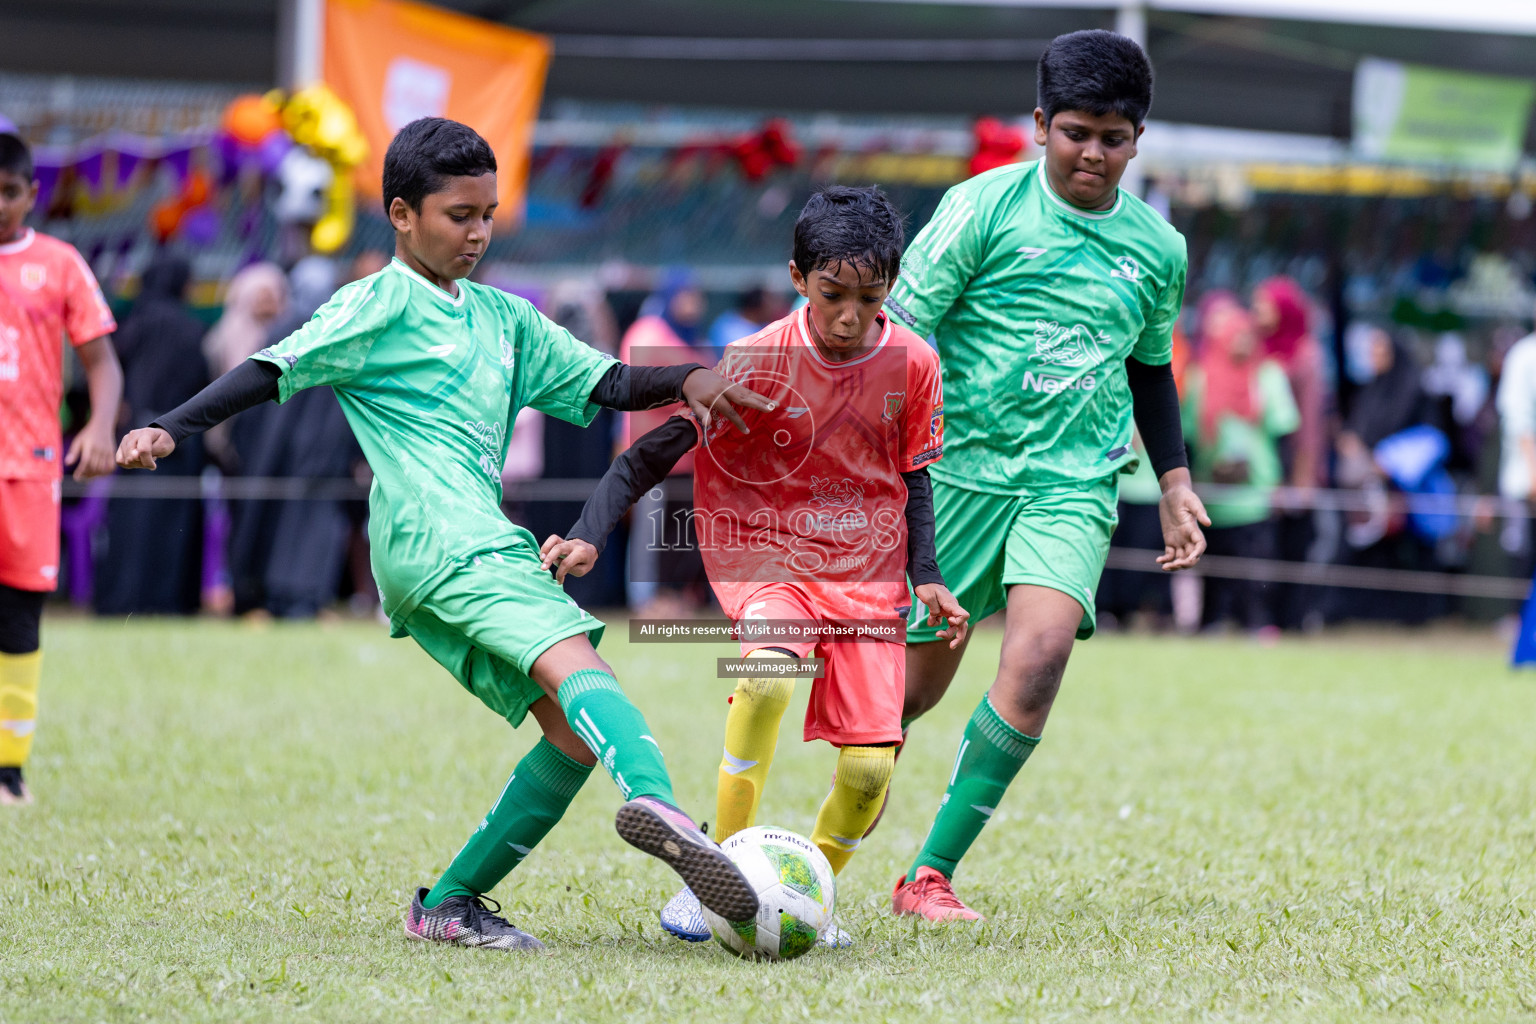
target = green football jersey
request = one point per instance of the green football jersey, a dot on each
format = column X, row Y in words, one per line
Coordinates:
column 430, row 384
column 1036, row 305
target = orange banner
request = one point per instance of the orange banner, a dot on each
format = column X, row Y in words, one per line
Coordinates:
column 393, row 61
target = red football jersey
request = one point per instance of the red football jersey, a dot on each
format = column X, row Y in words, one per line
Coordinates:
column 47, row 293
column 813, row 495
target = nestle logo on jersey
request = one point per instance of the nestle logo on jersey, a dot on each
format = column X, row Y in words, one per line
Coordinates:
column 1046, row 384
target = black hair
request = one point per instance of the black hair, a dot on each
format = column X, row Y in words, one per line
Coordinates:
column 15, row 157
column 427, row 151
column 842, row 224
column 1097, row 72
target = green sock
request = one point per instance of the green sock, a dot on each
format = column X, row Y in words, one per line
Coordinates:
column 990, row 755
column 534, row 798
column 616, row 731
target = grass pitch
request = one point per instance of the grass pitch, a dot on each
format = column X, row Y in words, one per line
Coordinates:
column 229, row 820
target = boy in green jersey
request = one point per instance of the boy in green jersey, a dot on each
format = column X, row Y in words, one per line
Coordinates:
column 431, row 371
column 1052, row 296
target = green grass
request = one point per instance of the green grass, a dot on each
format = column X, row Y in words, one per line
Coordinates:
column 229, row 819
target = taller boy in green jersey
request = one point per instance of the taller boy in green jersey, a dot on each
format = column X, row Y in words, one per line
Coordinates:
column 1052, row 295
column 431, row 371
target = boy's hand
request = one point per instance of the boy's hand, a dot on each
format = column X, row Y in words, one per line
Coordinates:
column 1182, row 514
column 942, row 607
column 140, row 448
column 91, row 450
column 706, row 391
column 575, row 557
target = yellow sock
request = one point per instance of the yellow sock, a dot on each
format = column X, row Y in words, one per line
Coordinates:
column 19, row 674
column 863, row 773
column 751, row 733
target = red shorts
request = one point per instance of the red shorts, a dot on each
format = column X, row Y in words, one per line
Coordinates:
column 29, row 534
column 857, row 701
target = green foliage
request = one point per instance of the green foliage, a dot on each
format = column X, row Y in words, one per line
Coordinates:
column 229, row 821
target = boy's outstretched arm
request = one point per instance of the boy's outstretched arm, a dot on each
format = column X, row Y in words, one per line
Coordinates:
column 91, row 451
column 246, row 386
column 1156, row 404
column 923, row 560
column 628, row 388
column 639, row 468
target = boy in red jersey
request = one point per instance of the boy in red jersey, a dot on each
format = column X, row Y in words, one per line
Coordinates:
column 47, row 293
column 816, row 517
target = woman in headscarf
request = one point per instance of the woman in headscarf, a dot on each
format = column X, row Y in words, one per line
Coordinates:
column 1237, row 405
column 1391, row 396
column 1282, row 314
column 1390, row 399
column 153, row 558
column 255, row 298
column 665, row 334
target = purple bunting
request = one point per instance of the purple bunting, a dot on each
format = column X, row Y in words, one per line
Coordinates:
column 89, row 169
column 47, row 176
column 232, row 157
column 179, row 160
column 127, row 163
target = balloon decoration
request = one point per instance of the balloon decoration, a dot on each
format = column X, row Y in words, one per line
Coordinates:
column 310, row 144
column 997, row 144
column 169, row 217
column 318, row 120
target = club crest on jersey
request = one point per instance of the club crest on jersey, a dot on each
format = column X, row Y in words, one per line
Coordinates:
column 1069, row 345
column 1126, row 269
column 33, row 276
column 508, row 359
column 936, row 425
column 893, row 400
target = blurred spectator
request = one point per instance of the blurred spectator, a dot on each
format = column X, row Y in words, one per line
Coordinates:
column 153, row 556
column 1126, row 594
column 1388, row 400
column 1281, row 314
column 570, row 452
column 290, row 555
column 255, row 298
column 311, row 283
column 1517, row 464
column 755, row 309
column 1517, row 421
column 666, row 572
column 1237, row 405
column 1458, row 387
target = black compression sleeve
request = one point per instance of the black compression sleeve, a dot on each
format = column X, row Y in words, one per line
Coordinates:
column 1156, row 400
column 922, row 557
column 642, row 466
column 247, row 385
column 628, row 387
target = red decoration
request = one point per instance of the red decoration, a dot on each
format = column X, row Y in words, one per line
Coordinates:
column 772, row 146
column 601, row 174
column 167, row 217
column 996, row 144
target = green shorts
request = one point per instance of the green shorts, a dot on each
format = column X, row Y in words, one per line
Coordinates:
column 988, row 542
column 489, row 622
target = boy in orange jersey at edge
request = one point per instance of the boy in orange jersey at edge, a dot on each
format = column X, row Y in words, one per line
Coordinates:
column 47, row 293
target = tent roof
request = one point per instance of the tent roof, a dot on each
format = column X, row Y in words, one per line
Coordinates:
column 1281, row 65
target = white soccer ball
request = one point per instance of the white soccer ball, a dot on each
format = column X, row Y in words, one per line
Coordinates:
column 795, row 890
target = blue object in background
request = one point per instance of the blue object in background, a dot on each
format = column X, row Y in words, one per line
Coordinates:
column 1414, row 460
